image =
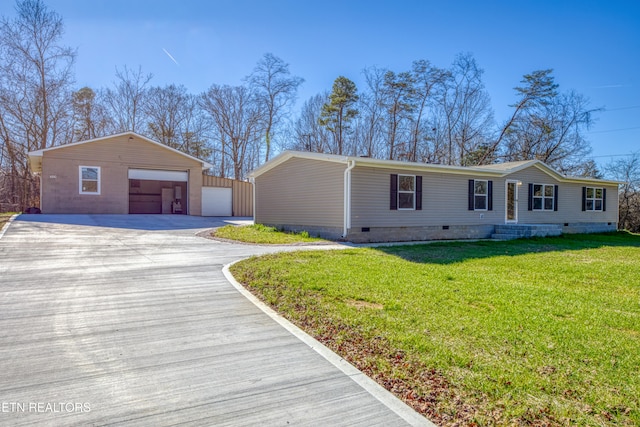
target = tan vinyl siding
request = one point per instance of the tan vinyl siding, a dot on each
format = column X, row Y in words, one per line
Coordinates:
column 444, row 200
column 301, row 192
column 242, row 193
column 569, row 201
column 115, row 156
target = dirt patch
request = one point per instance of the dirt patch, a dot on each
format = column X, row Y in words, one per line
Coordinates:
column 365, row 304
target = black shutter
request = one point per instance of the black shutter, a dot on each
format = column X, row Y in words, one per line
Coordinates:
column 555, row 197
column 393, row 196
column 472, row 189
column 418, row 193
column 604, row 200
column 530, row 204
column 584, row 198
column 490, row 195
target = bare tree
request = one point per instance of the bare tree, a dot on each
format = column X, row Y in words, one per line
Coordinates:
column 275, row 89
column 538, row 89
column 164, row 110
column 548, row 125
column 308, row 134
column 236, row 118
column 35, row 81
column 126, row 101
column 398, row 93
column 466, row 110
column 429, row 81
column 370, row 122
column 90, row 118
column 195, row 130
column 627, row 170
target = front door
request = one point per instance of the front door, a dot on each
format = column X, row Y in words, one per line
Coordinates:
column 512, row 202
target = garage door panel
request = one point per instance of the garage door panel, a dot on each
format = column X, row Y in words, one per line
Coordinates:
column 158, row 175
column 216, row 201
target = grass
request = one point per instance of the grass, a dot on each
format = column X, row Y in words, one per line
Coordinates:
column 262, row 234
column 527, row 332
column 4, row 218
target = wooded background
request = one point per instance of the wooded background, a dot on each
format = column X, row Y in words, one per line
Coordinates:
column 423, row 114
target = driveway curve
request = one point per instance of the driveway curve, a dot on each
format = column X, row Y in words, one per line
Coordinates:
column 118, row 319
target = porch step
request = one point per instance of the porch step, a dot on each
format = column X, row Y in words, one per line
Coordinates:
column 518, row 231
column 505, row 236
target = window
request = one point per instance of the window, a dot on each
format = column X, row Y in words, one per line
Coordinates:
column 89, row 180
column 406, row 191
column 594, row 199
column 542, row 197
column 480, row 195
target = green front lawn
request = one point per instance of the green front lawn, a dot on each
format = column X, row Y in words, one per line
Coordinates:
column 262, row 234
column 527, row 332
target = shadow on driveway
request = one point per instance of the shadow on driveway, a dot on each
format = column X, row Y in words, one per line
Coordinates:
column 138, row 222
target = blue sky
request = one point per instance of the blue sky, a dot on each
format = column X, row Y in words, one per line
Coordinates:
column 593, row 46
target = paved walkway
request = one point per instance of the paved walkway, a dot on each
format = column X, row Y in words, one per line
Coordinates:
column 129, row 320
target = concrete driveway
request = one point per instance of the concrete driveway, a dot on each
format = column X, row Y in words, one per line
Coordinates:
column 116, row 319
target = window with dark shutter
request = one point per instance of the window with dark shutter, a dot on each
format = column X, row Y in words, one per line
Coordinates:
column 584, row 198
column 604, row 199
column 393, row 196
column 472, row 189
column 490, row 195
column 555, row 198
column 418, row 193
column 542, row 197
column 406, row 192
column 480, row 195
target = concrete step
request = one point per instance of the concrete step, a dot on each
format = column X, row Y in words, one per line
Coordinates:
column 530, row 230
column 505, row 236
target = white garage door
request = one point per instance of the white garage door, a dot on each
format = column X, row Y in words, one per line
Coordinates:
column 216, row 201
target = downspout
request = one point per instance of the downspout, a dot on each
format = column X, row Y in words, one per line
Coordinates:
column 40, row 178
column 347, row 197
column 252, row 180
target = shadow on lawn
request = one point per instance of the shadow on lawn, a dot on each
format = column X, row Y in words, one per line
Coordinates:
column 452, row 252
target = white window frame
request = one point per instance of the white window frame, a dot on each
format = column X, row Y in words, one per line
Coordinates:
column 543, row 197
column 413, row 193
column 593, row 199
column 485, row 195
column 80, row 180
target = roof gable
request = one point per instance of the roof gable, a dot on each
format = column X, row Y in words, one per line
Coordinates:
column 35, row 157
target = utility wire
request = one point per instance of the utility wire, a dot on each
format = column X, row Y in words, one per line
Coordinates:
column 614, row 130
column 615, row 155
column 605, row 110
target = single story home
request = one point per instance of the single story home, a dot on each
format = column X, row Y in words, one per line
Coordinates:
column 128, row 173
column 370, row 200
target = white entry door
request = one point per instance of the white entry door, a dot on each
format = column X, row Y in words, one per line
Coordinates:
column 511, row 200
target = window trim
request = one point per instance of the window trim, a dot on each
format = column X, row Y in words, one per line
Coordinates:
column 594, row 199
column 98, row 181
column 543, row 197
column 413, row 192
column 486, row 195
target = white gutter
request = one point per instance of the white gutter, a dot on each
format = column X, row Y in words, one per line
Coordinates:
column 347, row 197
column 252, row 180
